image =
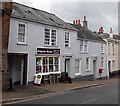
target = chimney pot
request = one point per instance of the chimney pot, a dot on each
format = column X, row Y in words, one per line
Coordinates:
column 84, row 18
column 101, row 30
column 73, row 21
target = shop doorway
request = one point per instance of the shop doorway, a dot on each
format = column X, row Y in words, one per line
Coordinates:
column 109, row 67
column 67, row 66
column 94, row 68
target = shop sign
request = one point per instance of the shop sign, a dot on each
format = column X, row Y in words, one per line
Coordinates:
column 37, row 79
column 47, row 51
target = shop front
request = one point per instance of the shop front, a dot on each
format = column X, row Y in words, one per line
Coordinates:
column 47, row 65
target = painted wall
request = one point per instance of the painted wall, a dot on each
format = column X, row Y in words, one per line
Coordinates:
column 35, row 38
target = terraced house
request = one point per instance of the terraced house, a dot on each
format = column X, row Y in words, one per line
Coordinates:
column 41, row 42
column 112, row 50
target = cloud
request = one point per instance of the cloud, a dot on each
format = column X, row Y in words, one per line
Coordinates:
column 98, row 13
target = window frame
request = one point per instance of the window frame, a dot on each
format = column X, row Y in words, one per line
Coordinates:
column 108, row 48
column 50, row 37
column 78, row 67
column 25, row 34
column 84, row 46
column 102, row 48
column 47, row 65
column 88, row 65
column 68, row 37
column 102, row 62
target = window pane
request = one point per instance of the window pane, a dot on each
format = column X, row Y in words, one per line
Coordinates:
column 85, row 46
column 67, row 40
column 45, row 64
column 81, row 45
column 38, row 65
column 53, row 38
column 21, row 33
column 56, row 64
column 47, row 37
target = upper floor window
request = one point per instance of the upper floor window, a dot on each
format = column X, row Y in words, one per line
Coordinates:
column 113, row 47
column 50, row 37
column 102, row 62
column 108, row 48
column 102, row 48
column 83, row 46
column 67, row 39
column 21, row 33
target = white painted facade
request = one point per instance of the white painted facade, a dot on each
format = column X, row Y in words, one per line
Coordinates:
column 35, row 39
column 112, row 54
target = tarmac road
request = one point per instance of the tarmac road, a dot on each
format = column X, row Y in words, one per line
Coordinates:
column 104, row 94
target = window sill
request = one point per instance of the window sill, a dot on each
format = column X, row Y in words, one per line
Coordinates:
column 83, row 53
column 87, row 70
column 49, row 46
column 78, row 74
column 102, row 53
column 22, row 44
column 67, row 47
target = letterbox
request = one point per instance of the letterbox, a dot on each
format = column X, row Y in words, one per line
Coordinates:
column 100, row 71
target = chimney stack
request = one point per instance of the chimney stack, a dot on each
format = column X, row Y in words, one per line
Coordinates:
column 111, row 33
column 85, row 22
column 110, row 30
column 101, row 30
column 76, row 21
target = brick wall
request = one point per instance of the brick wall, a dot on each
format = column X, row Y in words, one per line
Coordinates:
column 6, row 11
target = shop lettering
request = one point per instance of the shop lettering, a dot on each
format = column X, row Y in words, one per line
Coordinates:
column 48, row 51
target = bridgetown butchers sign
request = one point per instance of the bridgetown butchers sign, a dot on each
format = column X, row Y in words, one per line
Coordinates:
column 47, row 51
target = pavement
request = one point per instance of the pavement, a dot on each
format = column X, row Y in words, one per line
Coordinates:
column 34, row 91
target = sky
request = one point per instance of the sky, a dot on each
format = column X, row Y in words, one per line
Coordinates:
column 99, row 13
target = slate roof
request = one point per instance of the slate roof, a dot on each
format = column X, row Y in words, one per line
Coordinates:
column 117, row 37
column 85, row 33
column 27, row 13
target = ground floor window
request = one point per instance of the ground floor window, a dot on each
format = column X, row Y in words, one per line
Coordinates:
column 47, row 64
column 77, row 66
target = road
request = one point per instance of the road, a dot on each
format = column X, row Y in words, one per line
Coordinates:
column 105, row 94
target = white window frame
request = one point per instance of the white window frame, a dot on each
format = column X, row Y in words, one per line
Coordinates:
column 24, row 35
column 113, row 64
column 113, row 48
column 102, row 62
column 86, row 46
column 54, row 39
column 87, row 64
column 78, row 67
column 50, row 37
column 108, row 48
column 53, row 57
column 83, row 45
column 102, row 48
column 68, row 40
